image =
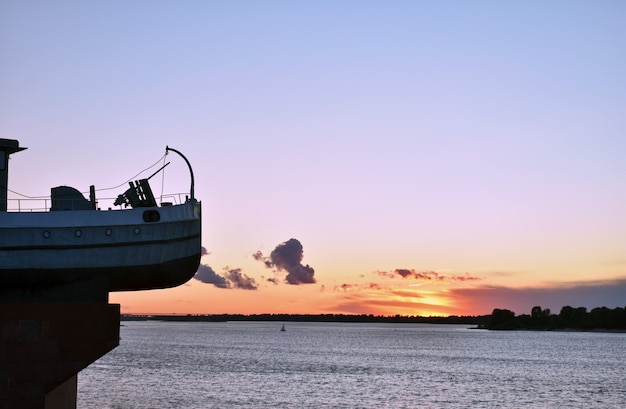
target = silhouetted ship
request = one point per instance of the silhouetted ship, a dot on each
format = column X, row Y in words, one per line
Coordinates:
column 74, row 248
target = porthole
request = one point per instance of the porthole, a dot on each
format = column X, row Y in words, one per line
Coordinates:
column 136, row 231
column 46, row 234
column 151, row 216
column 108, row 232
column 78, row 233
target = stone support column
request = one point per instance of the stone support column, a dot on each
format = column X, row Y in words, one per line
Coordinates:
column 43, row 346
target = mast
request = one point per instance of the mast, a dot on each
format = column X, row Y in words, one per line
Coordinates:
column 191, row 191
column 7, row 147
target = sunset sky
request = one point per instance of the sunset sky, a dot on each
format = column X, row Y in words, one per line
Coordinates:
column 383, row 157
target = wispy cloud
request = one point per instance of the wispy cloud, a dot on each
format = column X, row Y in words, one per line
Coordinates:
column 590, row 294
column 425, row 275
column 386, row 303
column 357, row 287
column 480, row 300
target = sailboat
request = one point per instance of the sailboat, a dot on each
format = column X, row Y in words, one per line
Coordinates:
column 283, row 328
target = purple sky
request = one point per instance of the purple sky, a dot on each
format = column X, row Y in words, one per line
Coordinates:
column 459, row 137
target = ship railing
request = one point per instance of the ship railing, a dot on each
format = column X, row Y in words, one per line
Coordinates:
column 29, row 205
column 174, row 199
column 102, row 203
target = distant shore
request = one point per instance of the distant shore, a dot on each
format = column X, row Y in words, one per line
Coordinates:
column 599, row 319
column 453, row 319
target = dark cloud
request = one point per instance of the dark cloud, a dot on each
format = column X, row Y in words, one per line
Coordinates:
column 232, row 278
column 357, row 287
column 424, row 275
column 208, row 276
column 237, row 279
column 287, row 257
column 258, row 256
column 607, row 293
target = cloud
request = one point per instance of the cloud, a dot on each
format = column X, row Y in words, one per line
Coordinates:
column 424, row 275
column 287, row 257
column 590, row 294
column 232, row 277
column 481, row 300
column 363, row 303
column 208, row 276
column 357, row 287
column 406, row 294
column 258, row 256
column 237, row 279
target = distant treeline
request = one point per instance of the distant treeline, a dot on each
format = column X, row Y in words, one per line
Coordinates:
column 569, row 318
column 453, row 319
column 601, row 318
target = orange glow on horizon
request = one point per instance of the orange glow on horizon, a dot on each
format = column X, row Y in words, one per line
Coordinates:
column 198, row 298
column 380, row 298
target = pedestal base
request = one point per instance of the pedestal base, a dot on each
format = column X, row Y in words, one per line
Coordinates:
column 43, row 346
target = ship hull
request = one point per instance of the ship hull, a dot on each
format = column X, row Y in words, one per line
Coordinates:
column 123, row 250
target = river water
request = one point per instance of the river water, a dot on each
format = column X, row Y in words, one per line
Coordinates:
column 338, row 365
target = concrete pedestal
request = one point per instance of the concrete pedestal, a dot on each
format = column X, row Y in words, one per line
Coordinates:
column 43, row 346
